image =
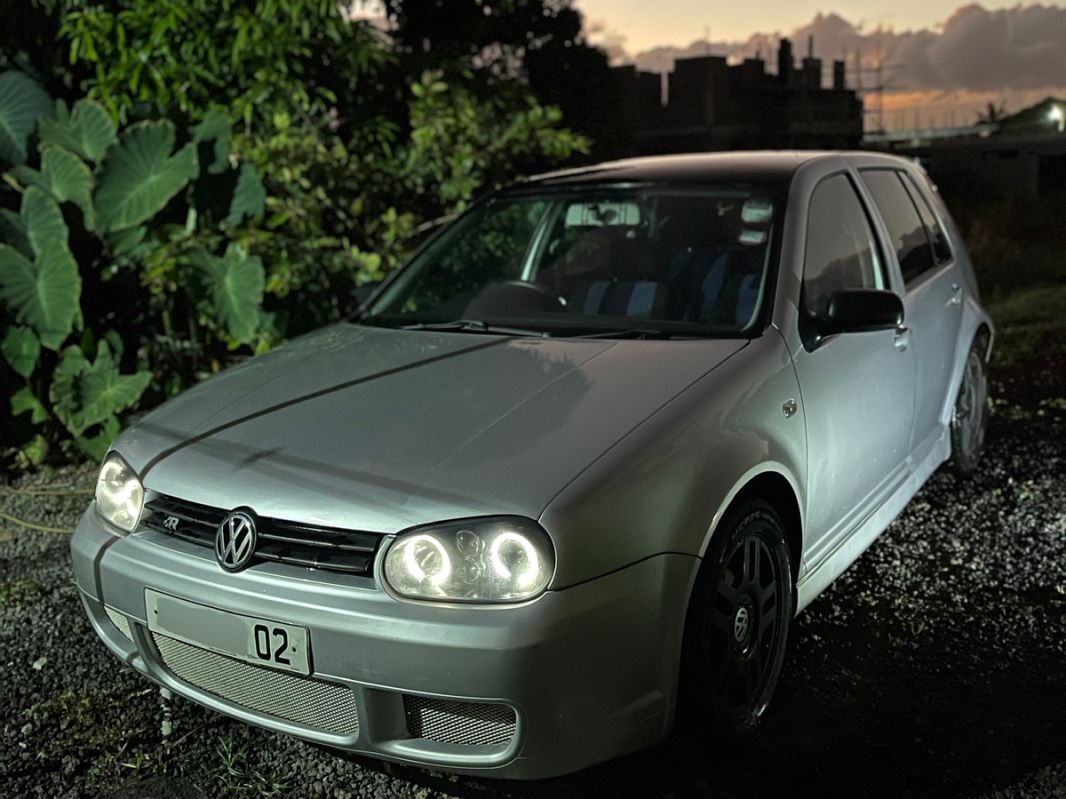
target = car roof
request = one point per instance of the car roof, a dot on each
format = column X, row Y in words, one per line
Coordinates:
column 760, row 166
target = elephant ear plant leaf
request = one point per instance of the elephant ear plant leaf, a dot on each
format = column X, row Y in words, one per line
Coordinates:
column 215, row 128
column 140, row 175
column 22, row 101
column 234, row 284
column 21, row 348
column 85, row 394
column 130, row 187
column 13, row 231
column 24, row 400
column 63, row 175
column 42, row 220
column 89, row 131
column 249, row 197
column 43, row 292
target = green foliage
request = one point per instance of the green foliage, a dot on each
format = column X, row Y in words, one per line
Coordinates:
column 64, row 176
column 126, row 190
column 487, row 140
column 187, row 55
column 141, row 173
column 21, row 102
column 249, row 198
column 43, row 293
column 41, row 290
column 88, row 132
column 21, row 348
column 234, row 288
column 85, row 394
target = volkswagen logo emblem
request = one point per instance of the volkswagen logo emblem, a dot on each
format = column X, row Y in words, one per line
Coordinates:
column 235, row 541
column 740, row 624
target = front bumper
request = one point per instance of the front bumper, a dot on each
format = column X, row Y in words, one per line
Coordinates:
column 581, row 675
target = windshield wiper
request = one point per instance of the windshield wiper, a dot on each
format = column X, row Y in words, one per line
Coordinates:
column 476, row 326
column 653, row 332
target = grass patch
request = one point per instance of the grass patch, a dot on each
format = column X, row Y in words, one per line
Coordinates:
column 1030, row 324
column 240, row 778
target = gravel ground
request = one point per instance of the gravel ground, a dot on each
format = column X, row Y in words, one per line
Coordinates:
column 936, row 667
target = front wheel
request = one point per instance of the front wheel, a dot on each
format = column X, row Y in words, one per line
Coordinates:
column 970, row 415
column 738, row 623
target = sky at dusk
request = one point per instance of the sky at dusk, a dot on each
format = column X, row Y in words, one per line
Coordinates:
column 942, row 62
column 676, row 22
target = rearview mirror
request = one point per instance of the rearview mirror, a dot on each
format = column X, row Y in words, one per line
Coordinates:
column 861, row 311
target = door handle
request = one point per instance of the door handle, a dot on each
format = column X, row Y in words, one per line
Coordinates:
column 956, row 295
column 903, row 338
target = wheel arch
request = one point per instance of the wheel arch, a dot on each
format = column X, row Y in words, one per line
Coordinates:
column 774, row 485
column 983, row 334
column 769, row 482
column 976, row 326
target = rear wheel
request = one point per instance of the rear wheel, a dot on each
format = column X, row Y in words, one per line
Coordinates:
column 970, row 416
column 738, row 622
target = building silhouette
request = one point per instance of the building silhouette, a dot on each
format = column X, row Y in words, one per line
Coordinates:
column 708, row 104
column 1021, row 155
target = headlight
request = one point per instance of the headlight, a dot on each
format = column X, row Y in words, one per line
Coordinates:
column 119, row 494
column 504, row 559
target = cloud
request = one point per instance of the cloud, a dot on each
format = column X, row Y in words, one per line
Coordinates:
column 974, row 50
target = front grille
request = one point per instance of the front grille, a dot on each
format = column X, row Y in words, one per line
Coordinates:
column 468, row 723
column 316, row 704
column 120, row 621
column 348, row 551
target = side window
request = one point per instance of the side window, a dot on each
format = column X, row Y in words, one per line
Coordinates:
column 909, row 238
column 841, row 251
column 933, row 228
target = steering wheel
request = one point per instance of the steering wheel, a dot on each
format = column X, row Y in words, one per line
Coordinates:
column 549, row 300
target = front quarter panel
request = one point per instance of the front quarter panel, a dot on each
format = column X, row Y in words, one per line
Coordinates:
column 663, row 487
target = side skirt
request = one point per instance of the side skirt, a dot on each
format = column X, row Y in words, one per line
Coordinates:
column 819, row 578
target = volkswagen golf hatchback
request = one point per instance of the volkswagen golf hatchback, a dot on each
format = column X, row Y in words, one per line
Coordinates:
column 568, row 475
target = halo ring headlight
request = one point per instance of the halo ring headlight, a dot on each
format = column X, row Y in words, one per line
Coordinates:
column 495, row 559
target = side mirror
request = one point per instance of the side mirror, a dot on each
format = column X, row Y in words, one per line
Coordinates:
column 365, row 292
column 861, row 311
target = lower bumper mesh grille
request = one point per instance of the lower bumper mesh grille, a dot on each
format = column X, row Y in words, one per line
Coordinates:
column 468, row 723
column 120, row 621
column 319, row 705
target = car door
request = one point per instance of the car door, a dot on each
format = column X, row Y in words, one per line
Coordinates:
column 857, row 388
column 932, row 299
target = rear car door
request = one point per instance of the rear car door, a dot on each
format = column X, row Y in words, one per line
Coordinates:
column 857, row 388
column 932, row 300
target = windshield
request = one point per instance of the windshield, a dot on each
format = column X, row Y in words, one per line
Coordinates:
column 596, row 261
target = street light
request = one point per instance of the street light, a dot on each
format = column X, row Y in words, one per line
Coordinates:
column 1057, row 117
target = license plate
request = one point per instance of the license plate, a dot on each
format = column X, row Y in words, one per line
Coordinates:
column 261, row 641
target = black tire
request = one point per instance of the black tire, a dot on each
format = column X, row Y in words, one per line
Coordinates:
column 737, row 624
column 970, row 416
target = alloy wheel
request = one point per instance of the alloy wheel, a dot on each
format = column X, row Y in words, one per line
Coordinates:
column 744, row 615
column 970, row 411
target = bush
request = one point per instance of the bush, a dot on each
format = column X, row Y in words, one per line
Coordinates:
column 1014, row 242
column 103, row 215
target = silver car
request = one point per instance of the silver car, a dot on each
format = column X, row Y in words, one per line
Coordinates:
column 566, row 478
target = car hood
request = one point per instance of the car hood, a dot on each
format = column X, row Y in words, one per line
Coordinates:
column 378, row 429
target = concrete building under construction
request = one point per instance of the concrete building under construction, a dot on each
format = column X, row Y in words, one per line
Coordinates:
column 708, row 104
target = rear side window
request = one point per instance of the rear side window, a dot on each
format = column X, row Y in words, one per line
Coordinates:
column 937, row 236
column 909, row 238
column 841, row 251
